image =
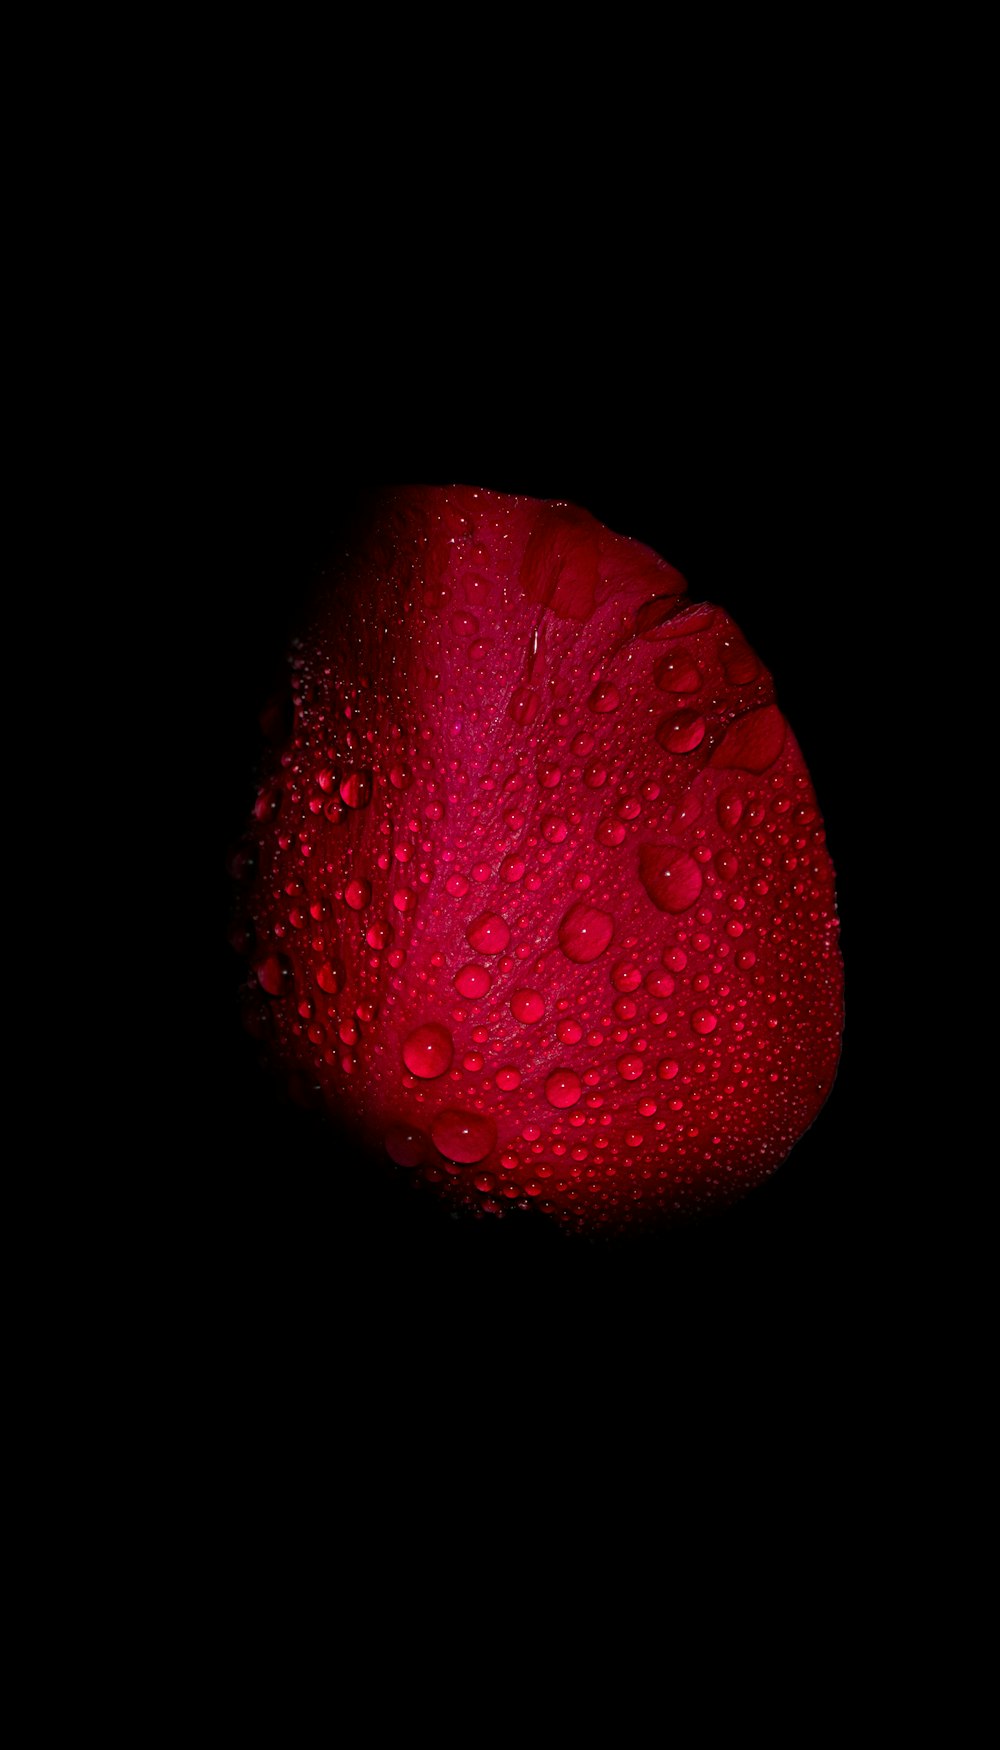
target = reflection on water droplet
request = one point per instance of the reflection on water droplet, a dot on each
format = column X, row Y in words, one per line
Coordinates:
column 428, row 1051
column 585, row 932
column 563, row 1088
column 488, row 934
column 465, row 1137
column 670, row 876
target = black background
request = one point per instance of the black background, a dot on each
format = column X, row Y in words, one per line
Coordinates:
column 733, row 465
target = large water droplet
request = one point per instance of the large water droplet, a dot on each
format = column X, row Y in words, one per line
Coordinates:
column 752, row 743
column 465, row 1137
column 729, row 808
column 682, row 732
column 670, row 876
column 274, row 974
column 527, row 1006
column 356, row 789
column 358, row 893
column 677, row 673
column 563, row 1088
column 405, row 1145
column 523, row 707
column 488, row 934
column 605, row 697
column 473, row 982
column 428, row 1051
column 585, row 932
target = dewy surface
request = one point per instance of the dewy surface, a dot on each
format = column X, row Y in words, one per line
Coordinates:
column 535, row 896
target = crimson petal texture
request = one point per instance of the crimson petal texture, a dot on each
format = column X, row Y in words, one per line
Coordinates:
column 535, row 894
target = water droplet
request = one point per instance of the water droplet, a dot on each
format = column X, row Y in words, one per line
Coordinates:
column 739, row 664
column 457, row 886
column 703, row 1021
column 512, row 868
column 605, row 697
column 667, row 1069
column 464, row 625
column 523, row 707
column 659, row 984
column 630, row 1068
column 682, row 732
column 585, row 932
column 626, row 975
column 508, row 1078
column 563, row 1088
column 465, row 1137
column 488, row 934
column 428, row 1051
column 473, row 982
column 358, row 893
column 405, row 1145
column 569, row 1032
column 670, row 876
column 330, row 976
column 677, row 674
column 554, row 830
column 727, row 864
column 527, row 1006
column 274, row 974
column 752, row 743
column 401, row 777
column 356, row 789
column 609, row 832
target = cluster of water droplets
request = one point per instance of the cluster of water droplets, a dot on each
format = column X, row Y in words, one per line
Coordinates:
column 578, row 941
